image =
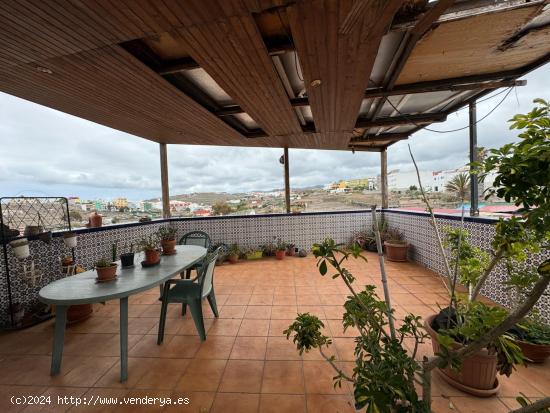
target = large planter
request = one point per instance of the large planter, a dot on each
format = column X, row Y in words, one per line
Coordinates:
column 78, row 313
column 233, row 258
column 396, row 251
column 168, row 246
column 477, row 374
column 537, row 353
column 280, row 254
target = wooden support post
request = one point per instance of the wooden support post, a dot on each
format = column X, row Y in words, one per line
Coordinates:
column 164, row 181
column 474, row 191
column 287, row 181
column 384, row 177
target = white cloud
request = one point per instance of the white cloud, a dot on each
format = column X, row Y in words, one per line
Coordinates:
column 46, row 152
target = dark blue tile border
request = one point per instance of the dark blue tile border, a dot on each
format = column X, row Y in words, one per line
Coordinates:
column 467, row 218
column 491, row 221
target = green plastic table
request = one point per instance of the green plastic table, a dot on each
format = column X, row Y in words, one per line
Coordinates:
column 83, row 289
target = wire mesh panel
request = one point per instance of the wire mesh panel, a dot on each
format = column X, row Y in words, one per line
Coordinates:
column 33, row 215
column 21, row 278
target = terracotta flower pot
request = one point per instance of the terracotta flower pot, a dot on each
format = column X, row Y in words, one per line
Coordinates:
column 537, row 353
column 168, row 246
column 233, row 258
column 106, row 273
column 152, row 256
column 95, row 220
column 477, row 374
column 396, row 251
column 280, row 254
column 79, row 313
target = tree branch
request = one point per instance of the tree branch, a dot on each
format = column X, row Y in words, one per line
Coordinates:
column 534, row 407
column 496, row 258
column 334, row 366
column 434, row 224
column 507, row 323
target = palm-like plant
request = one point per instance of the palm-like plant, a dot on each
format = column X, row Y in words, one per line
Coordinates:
column 460, row 185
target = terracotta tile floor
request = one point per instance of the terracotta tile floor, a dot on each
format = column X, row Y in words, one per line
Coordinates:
column 245, row 365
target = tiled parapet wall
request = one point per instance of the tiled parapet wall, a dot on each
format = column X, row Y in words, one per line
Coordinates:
column 303, row 230
column 418, row 231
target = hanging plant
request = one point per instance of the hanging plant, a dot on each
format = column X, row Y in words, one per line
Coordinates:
column 70, row 239
column 20, row 248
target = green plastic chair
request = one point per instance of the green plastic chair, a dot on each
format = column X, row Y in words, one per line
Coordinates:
column 200, row 238
column 191, row 292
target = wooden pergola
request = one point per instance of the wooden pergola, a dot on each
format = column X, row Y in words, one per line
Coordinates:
column 316, row 74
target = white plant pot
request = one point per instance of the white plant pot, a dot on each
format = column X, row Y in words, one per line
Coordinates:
column 21, row 251
column 70, row 242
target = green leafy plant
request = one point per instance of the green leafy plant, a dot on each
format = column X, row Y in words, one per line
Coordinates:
column 532, row 330
column 280, row 245
column 522, row 175
column 103, row 263
column 459, row 185
column 384, row 372
column 234, row 250
column 150, row 242
column 268, row 249
column 394, row 236
column 167, row 233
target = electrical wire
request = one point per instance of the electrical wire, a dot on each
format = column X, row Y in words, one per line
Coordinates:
column 457, row 129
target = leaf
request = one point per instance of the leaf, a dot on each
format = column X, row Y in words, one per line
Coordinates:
column 323, row 267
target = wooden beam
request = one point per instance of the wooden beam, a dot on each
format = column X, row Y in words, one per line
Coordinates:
column 164, row 181
column 443, row 86
column 354, row 15
column 337, row 67
column 469, row 8
column 188, row 63
column 451, row 85
column 401, row 120
column 382, row 137
column 474, row 192
column 287, row 180
column 384, row 177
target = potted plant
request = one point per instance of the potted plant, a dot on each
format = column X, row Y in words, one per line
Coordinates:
column 280, row 249
column 468, row 333
column 366, row 240
column 20, row 248
column 106, row 270
column 383, row 376
column 167, row 237
column 150, row 245
column 396, row 247
column 268, row 249
column 78, row 312
column 533, row 338
column 291, row 250
column 254, row 254
column 127, row 258
column 69, row 238
column 233, row 253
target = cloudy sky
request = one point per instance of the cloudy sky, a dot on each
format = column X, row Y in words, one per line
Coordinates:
column 48, row 153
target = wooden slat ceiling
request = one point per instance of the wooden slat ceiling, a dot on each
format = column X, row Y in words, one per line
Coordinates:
column 336, row 68
column 101, row 60
column 471, row 46
column 232, row 51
